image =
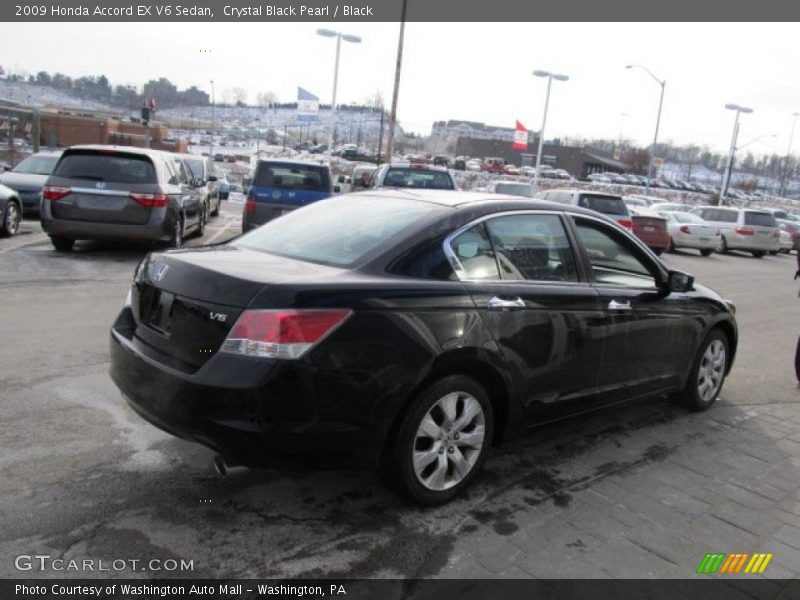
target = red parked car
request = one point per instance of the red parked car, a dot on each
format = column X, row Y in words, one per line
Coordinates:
column 651, row 228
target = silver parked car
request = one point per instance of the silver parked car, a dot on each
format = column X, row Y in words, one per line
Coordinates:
column 688, row 230
column 28, row 177
column 749, row 230
column 120, row 193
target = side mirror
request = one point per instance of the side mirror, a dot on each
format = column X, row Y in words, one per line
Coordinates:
column 212, row 177
column 337, row 189
column 341, row 179
column 680, row 282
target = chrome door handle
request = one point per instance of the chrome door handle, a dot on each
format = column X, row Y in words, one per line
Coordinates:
column 614, row 305
column 496, row 302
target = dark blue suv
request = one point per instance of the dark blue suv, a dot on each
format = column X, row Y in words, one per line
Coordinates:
column 280, row 186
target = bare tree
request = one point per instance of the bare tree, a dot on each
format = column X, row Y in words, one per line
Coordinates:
column 265, row 99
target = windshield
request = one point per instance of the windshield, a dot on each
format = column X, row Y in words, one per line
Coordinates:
column 418, row 178
column 106, row 166
column 515, row 189
column 36, row 165
column 292, row 176
column 196, row 167
column 609, row 205
column 759, row 218
column 362, row 225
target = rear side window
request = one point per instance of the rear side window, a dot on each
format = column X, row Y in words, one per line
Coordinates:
column 759, row 219
column 292, row 177
column 107, row 167
column 418, row 178
column 608, row 205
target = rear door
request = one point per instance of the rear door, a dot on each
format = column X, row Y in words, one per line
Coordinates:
column 103, row 186
column 521, row 272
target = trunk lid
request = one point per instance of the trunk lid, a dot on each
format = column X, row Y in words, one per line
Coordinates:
column 185, row 302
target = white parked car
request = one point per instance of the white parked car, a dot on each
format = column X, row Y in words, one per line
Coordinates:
column 754, row 231
column 512, row 188
column 474, row 166
column 688, row 230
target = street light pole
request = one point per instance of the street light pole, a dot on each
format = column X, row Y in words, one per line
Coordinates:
column 663, row 84
column 726, row 178
column 339, row 37
column 213, row 102
column 788, row 154
column 550, row 77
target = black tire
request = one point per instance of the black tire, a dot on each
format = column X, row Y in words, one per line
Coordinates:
column 176, row 241
column 201, row 224
column 758, row 253
column 399, row 468
column 658, row 251
column 215, row 212
column 706, row 251
column 723, row 248
column 671, row 245
column 61, row 243
column 11, row 218
column 690, row 396
column 773, row 252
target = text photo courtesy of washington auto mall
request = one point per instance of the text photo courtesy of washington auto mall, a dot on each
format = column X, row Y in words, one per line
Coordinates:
column 399, row 300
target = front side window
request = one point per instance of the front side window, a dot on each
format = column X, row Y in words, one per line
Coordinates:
column 613, row 261
column 532, row 247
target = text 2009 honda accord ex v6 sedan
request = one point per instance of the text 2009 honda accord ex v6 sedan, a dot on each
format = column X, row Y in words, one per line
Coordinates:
column 410, row 331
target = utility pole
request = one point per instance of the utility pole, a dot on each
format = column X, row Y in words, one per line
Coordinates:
column 380, row 138
column 398, row 65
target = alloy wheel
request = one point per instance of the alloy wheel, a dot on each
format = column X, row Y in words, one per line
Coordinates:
column 711, row 371
column 13, row 219
column 449, row 441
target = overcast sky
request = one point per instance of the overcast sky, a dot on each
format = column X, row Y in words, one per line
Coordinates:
column 470, row 71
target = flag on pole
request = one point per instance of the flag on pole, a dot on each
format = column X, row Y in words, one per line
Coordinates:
column 520, row 138
column 307, row 106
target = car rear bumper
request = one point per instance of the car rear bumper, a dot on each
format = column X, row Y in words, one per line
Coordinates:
column 158, row 228
column 653, row 239
column 251, row 412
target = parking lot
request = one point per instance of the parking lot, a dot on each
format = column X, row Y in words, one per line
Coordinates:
column 641, row 491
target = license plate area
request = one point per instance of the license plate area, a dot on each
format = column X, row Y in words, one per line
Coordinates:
column 158, row 313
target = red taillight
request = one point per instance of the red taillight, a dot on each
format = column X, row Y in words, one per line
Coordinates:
column 744, row 231
column 285, row 334
column 54, row 192
column 150, row 200
column 685, row 229
column 250, row 203
column 626, row 223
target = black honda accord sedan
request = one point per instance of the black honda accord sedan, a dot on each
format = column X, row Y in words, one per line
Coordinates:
column 410, row 331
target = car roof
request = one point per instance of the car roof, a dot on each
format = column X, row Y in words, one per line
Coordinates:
column 469, row 200
column 126, row 149
column 577, row 191
column 286, row 161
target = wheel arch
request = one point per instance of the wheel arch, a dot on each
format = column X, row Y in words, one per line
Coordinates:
column 477, row 364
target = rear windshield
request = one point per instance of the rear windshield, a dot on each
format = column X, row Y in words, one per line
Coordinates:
column 36, row 165
column 608, row 205
column 515, row 189
column 197, row 167
column 418, row 178
column 362, row 224
column 109, row 167
column 759, row 218
column 292, row 177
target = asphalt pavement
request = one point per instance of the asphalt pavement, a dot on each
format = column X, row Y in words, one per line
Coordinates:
column 645, row 490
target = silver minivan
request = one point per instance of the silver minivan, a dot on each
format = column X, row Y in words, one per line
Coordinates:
column 745, row 229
